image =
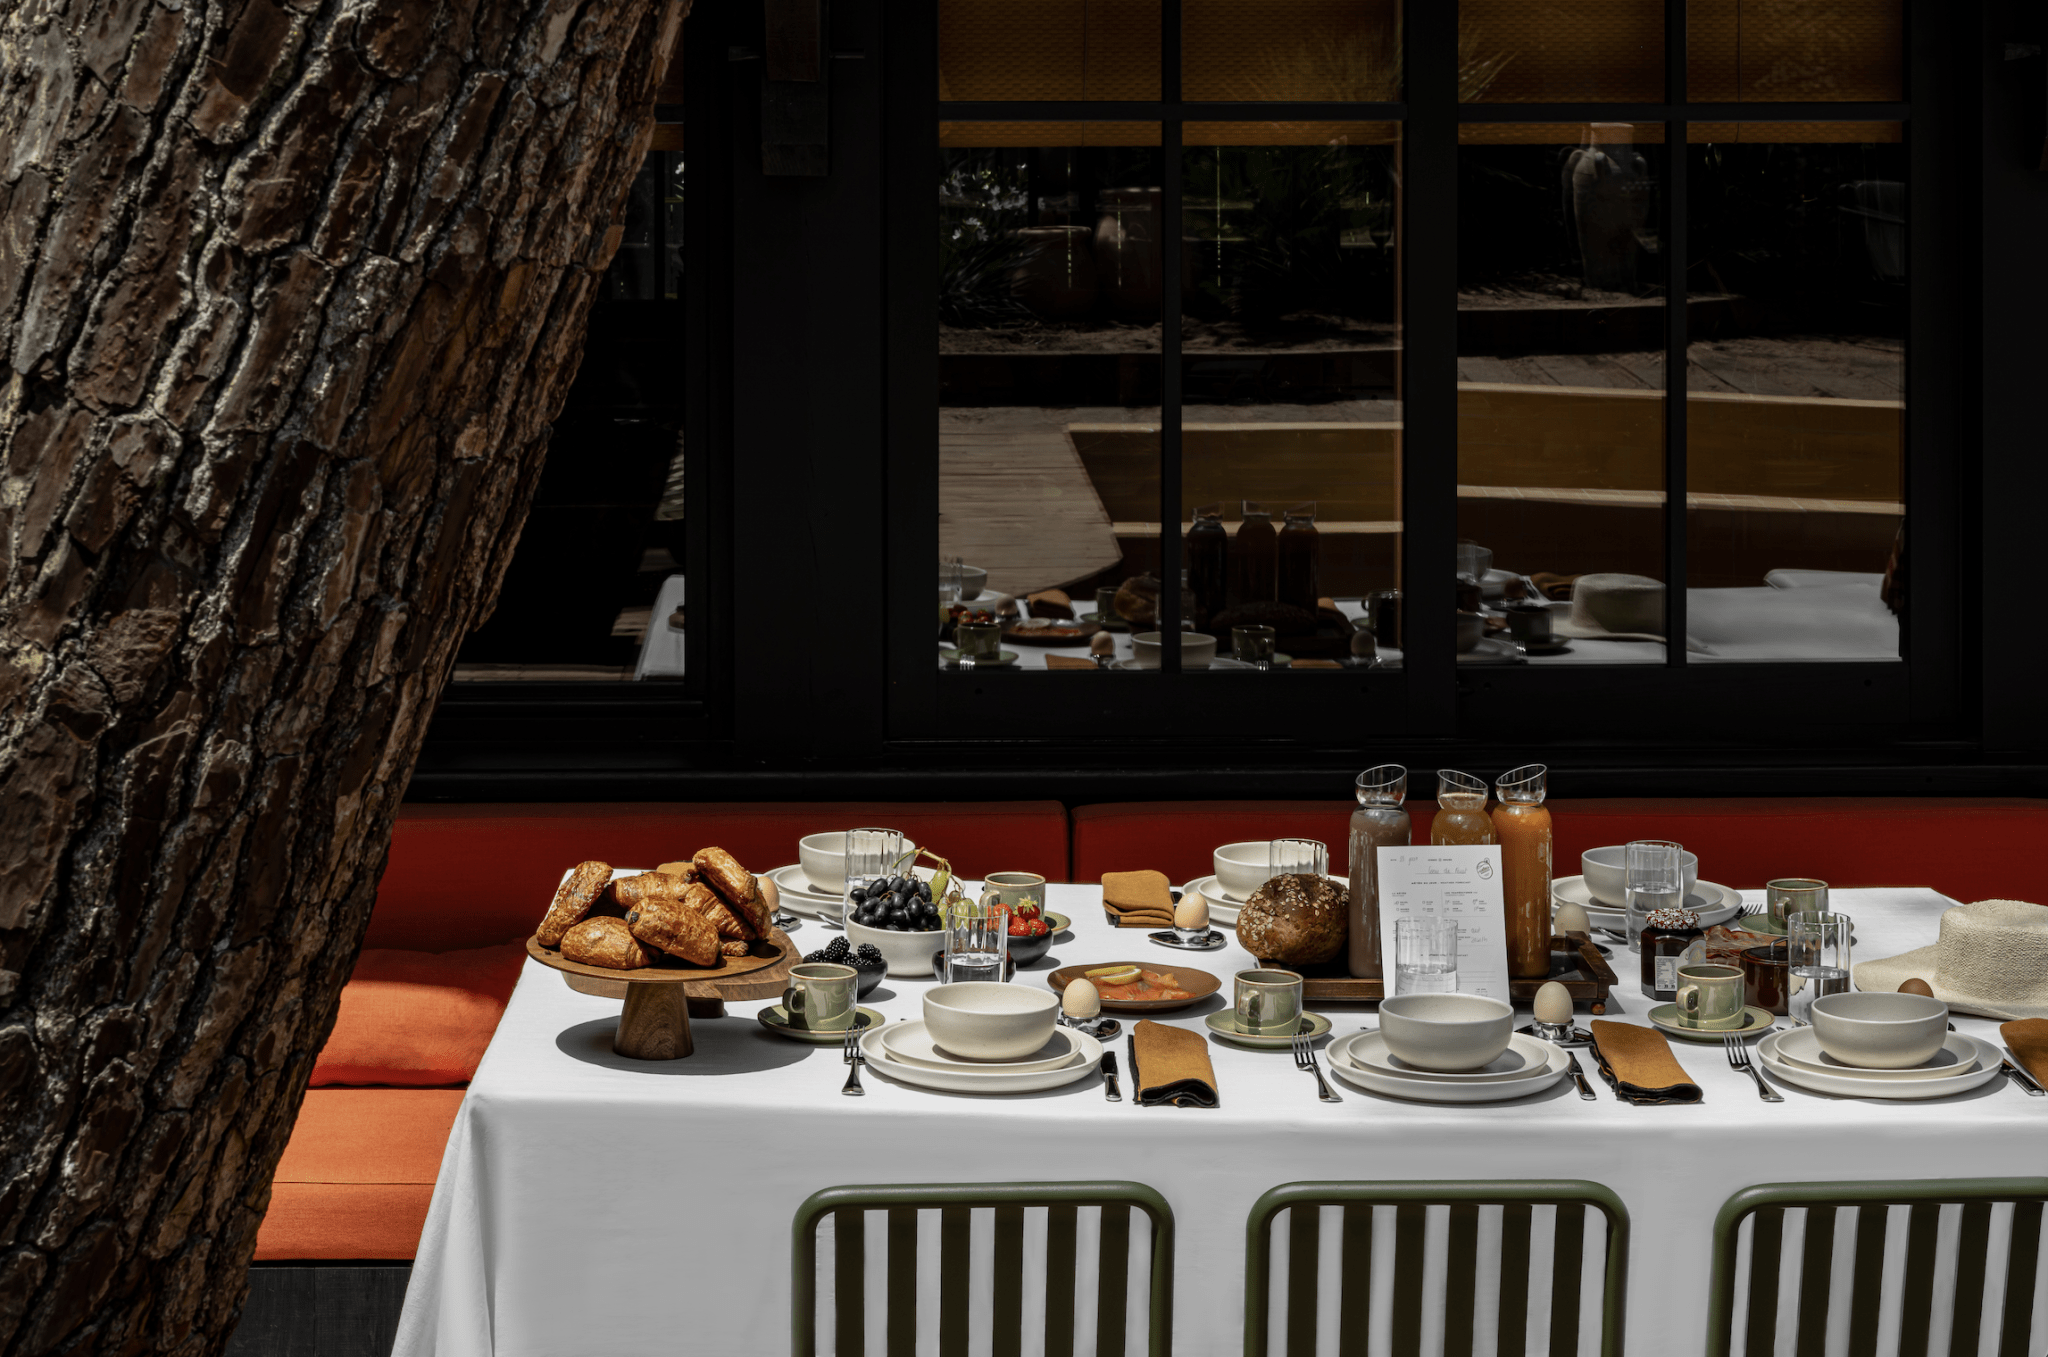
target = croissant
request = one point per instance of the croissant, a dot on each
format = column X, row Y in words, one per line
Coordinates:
column 573, row 900
column 732, row 881
column 730, row 924
column 758, row 909
column 675, row 928
column 686, row 870
column 604, row 942
column 733, row 948
column 634, row 891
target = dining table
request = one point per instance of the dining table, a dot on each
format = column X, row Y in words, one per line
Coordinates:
column 588, row 1202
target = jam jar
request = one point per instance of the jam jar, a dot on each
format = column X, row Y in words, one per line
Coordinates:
column 1668, row 938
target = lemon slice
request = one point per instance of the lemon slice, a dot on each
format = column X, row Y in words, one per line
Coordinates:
column 1114, row 975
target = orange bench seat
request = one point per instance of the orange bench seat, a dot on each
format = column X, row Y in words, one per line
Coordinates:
column 357, row 1177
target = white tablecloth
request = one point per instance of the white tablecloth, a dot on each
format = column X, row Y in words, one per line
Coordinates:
column 593, row 1204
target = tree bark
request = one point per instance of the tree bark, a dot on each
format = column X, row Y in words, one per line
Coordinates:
column 289, row 292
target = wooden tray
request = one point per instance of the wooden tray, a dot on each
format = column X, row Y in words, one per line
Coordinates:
column 1199, row 985
column 655, row 1023
column 1036, row 636
column 1574, row 962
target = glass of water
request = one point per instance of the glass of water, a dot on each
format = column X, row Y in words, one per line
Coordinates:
column 1297, row 857
column 1425, row 956
column 977, row 939
column 870, row 855
column 1818, row 956
column 1654, row 882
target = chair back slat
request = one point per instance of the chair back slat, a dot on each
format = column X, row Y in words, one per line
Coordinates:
column 2023, row 1256
column 1354, row 1315
column 1461, row 1279
column 1409, row 1205
column 1304, row 1245
column 1511, row 1333
column 948, row 1288
column 1923, row 1275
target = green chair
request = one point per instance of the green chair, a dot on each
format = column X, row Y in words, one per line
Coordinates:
column 1410, row 1203
column 1765, row 1207
column 955, row 1203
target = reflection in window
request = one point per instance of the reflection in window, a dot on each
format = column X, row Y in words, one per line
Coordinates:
column 1789, row 51
column 1561, row 393
column 1597, row 51
column 1795, row 381
column 1264, row 50
column 1048, row 49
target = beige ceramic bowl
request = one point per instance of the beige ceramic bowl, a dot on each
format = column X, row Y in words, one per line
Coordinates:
column 1242, row 868
column 1606, row 872
column 1449, row 1033
column 1880, row 1031
column 823, row 858
column 980, row 1020
column 1196, row 650
column 906, row 953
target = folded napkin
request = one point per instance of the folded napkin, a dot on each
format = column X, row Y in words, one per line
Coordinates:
column 1068, row 662
column 2027, row 1039
column 1170, row 1066
column 1638, row 1064
column 1317, row 664
column 1138, row 899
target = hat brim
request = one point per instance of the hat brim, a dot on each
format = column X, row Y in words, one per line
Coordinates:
column 1579, row 631
column 1886, row 974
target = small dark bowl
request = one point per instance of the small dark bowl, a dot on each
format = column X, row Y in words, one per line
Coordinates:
column 870, row 976
column 1024, row 951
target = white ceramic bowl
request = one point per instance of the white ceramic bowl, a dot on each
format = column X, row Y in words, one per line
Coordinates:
column 973, row 579
column 1606, row 872
column 906, row 953
column 1447, row 1032
column 1196, row 649
column 1242, row 868
column 1880, row 1031
column 980, row 1020
column 823, row 858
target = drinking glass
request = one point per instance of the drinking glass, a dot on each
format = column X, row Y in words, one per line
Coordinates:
column 977, row 939
column 1818, row 950
column 1253, row 645
column 979, row 642
column 1654, row 882
column 950, row 583
column 1792, row 895
column 1296, row 857
column 870, row 855
column 1105, row 605
column 1425, row 956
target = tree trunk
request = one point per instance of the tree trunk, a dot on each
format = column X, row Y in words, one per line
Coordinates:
column 289, row 291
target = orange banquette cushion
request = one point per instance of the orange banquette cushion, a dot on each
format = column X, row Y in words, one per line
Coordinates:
column 355, row 1181
column 1968, row 848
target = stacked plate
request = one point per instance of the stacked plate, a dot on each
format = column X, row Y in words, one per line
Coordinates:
column 1716, row 904
column 1527, row 1066
column 1962, row 1063
column 907, row 1052
column 799, row 896
column 1222, row 909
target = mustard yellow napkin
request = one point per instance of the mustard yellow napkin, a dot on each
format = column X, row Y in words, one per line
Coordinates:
column 1068, row 662
column 1142, row 899
column 2027, row 1039
column 1638, row 1063
column 1170, row 1067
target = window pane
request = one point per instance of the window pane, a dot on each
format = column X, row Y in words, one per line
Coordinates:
column 1561, row 390
column 595, row 588
column 1049, row 49
column 1049, row 257
column 1795, row 380
column 1291, row 444
column 1758, row 51
column 1247, row 50
column 1607, row 51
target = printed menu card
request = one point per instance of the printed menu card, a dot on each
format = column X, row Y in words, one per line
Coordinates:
column 1451, row 881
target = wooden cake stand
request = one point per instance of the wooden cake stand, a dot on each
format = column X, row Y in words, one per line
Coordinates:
column 660, row 999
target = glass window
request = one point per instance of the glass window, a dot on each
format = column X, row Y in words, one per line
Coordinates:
column 1560, row 51
column 1793, row 51
column 1048, row 49
column 1339, row 51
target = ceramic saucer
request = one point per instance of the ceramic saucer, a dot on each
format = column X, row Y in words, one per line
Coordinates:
column 776, row 1019
column 1986, row 1067
column 912, row 1042
column 1525, row 1058
column 1169, row 938
column 1222, row 909
column 1059, row 923
column 1754, row 1020
column 1224, row 1025
column 1801, row 1046
column 1346, row 1063
column 949, row 657
column 1715, row 904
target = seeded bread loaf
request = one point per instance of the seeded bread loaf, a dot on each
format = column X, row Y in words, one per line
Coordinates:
column 1295, row 920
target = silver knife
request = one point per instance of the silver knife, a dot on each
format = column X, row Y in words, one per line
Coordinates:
column 2023, row 1079
column 1579, row 1076
column 1109, row 1085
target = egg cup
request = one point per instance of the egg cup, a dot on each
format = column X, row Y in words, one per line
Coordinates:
column 1100, row 1027
column 1189, row 940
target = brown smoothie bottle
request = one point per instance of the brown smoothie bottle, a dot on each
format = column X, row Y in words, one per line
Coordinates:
column 1379, row 822
column 1522, row 822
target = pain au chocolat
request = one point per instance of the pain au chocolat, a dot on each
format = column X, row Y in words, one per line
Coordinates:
column 573, row 900
column 676, row 928
column 732, row 925
column 604, row 942
column 733, row 882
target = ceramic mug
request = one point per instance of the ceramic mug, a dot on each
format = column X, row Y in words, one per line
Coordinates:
column 821, row 996
column 1767, row 977
column 1015, row 888
column 1709, row 997
column 1794, row 895
column 1268, row 1003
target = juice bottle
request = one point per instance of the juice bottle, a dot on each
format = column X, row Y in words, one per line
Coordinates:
column 1461, row 810
column 1379, row 822
column 1522, row 822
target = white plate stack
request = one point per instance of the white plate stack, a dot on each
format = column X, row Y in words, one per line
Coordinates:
column 905, row 1051
column 1716, row 904
column 1527, row 1066
column 1962, row 1063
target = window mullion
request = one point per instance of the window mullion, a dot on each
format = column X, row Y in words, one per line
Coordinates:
column 1675, row 338
column 1170, row 249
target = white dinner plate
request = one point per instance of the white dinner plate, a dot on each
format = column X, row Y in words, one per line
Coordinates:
column 1984, row 1070
column 1801, row 1046
column 912, row 1043
column 1219, row 662
column 976, row 1081
column 1715, row 904
column 799, row 896
column 1525, row 1058
column 1222, row 909
column 1349, row 1068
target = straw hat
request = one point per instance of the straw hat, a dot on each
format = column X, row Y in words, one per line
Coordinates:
column 1991, row 960
column 1615, row 608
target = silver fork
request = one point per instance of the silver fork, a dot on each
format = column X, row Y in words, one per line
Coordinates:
column 1305, row 1059
column 851, row 1054
column 1738, row 1057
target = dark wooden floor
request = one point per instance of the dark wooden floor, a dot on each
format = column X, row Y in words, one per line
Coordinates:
column 297, row 1310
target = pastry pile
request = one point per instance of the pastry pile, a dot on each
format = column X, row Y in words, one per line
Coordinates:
column 698, row 910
